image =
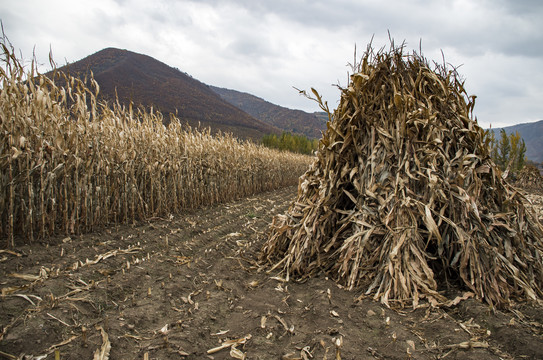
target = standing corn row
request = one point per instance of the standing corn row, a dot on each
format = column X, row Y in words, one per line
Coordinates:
column 69, row 164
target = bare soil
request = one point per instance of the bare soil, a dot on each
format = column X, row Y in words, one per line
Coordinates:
column 177, row 288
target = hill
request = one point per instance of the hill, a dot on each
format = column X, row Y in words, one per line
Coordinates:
column 532, row 133
column 294, row 121
column 322, row 116
column 149, row 82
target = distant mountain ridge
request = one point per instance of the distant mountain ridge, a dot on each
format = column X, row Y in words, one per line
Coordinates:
column 294, row 121
column 149, row 82
column 532, row 133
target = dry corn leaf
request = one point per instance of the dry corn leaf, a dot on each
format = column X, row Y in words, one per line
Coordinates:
column 54, row 347
column 11, row 289
column 26, row 277
column 183, row 353
column 228, row 343
column 103, row 352
column 458, row 299
column 2, row 251
column 469, row 345
column 236, row 353
column 165, row 330
column 222, row 332
column 291, row 356
column 234, row 234
column 282, row 322
column 27, row 298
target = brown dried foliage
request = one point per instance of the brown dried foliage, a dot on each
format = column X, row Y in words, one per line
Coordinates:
column 404, row 198
column 69, row 163
column 530, row 178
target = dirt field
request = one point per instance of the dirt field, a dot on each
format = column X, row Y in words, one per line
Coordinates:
column 179, row 288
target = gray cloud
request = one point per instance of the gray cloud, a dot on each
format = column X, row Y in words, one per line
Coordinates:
column 267, row 47
column 524, row 7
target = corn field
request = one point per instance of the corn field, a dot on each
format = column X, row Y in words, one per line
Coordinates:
column 70, row 163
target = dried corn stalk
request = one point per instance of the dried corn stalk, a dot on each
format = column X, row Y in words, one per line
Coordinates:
column 70, row 163
column 404, row 198
column 530, row 178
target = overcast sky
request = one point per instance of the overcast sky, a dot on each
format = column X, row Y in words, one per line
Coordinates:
column 268, row 47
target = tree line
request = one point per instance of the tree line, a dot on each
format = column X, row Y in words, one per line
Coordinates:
column 291, row 142
column 508, row 151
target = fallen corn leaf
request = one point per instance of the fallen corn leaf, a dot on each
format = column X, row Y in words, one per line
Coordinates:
column 229, row 343
column 236, row 353
column 103, row 352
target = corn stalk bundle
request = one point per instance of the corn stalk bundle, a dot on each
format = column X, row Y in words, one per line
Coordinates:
column 530, row 178
column 70, row 163
column 404, row 199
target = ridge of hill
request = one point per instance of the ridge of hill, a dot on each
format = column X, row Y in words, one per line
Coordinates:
column 532, row 133
column 294, row 121
column 148, row 82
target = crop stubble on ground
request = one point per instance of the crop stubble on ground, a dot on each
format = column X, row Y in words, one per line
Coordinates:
column 178, row 288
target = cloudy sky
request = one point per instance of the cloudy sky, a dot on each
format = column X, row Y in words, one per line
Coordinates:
column 268, row 47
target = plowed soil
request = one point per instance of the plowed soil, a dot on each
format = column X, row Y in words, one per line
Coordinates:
column 183, row 287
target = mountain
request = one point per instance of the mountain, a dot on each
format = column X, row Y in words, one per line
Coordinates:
column 532, row 133
column 294, row 121
column 149, row 82
column 322, row 116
